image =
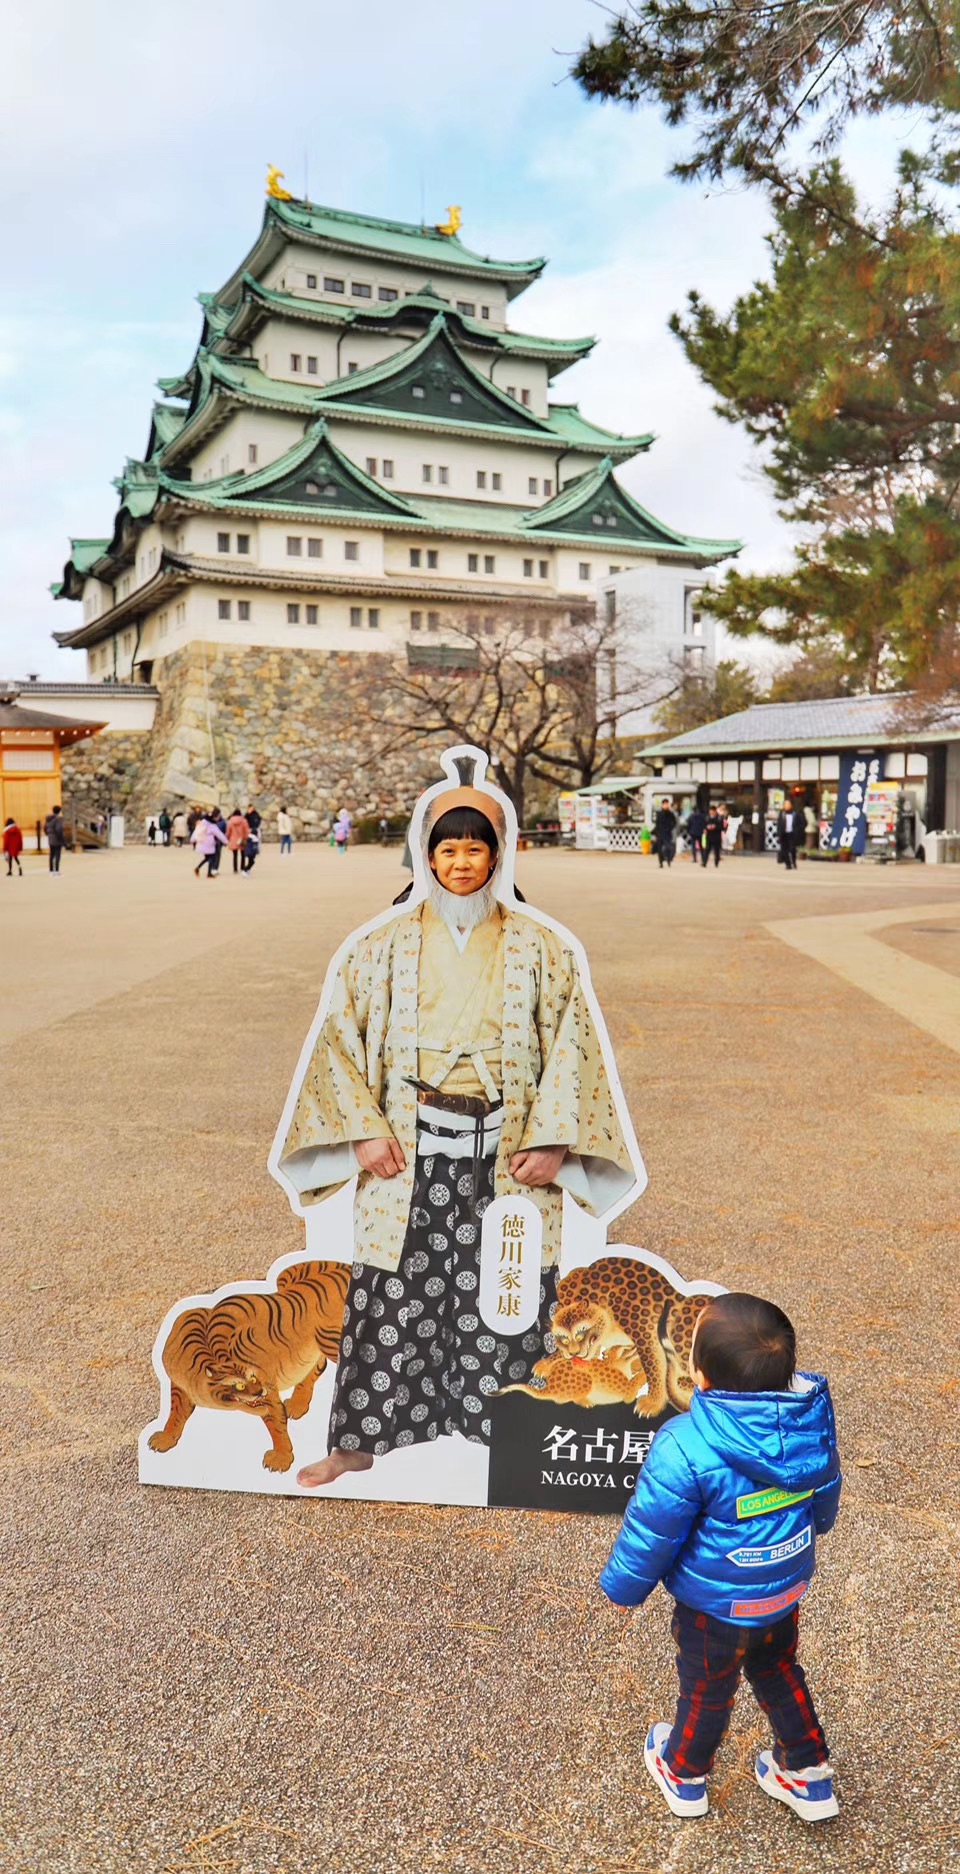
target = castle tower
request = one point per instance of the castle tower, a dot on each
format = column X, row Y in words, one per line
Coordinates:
column 361, row 448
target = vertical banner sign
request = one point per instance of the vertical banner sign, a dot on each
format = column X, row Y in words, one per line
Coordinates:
column 510, row 1242
column 858, row 773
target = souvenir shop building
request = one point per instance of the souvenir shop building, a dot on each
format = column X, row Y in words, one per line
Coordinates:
column 861, row 763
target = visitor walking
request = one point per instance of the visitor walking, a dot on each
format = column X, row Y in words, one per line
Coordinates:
column 694, row 829
column 791, row 831
column 164, row 825
column 208, row 838
column 341, row 830
column 12, row 847
column 152, row 833
column 726, row 1513
column 285, row 830
column 181, row 827
column 238, row 832
column 56, row 834
column 218, row 821
column 665, row 834
column 713, row 835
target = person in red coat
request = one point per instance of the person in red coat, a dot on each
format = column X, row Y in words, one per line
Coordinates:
column 13, row 847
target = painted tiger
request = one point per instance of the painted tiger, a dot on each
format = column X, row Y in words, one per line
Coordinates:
column 244, row 1352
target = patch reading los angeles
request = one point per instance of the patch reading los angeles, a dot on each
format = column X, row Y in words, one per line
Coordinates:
column 761, row 1502
column 770, row 1552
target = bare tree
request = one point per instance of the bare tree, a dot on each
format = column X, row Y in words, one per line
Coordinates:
column 542, row 689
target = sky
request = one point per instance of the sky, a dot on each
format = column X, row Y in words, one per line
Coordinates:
column 133, row 150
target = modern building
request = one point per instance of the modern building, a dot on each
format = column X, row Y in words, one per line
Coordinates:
column 362, row 452
column 855, row 761
column 664, row 633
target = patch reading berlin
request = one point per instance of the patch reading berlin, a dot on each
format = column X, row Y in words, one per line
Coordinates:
column 763, row 1501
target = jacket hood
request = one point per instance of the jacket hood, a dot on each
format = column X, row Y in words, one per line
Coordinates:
column 775, row 1438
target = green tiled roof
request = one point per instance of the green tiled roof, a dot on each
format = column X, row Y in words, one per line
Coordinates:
column 437, row 369
column 265, row 299
column 372, row 237
column 166, row 421
column 493, row 412
column 594, row 506
column 85, row 552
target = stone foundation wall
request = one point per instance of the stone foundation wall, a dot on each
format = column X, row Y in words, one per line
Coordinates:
column 243, row 726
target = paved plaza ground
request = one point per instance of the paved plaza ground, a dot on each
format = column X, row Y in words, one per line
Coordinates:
column 245, row 1685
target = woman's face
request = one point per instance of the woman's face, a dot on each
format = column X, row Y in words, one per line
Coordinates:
column 462, row 866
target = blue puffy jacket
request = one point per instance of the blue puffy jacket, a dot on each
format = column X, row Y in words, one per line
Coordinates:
column 729, row 1503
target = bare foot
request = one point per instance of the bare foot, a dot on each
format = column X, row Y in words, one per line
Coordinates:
column 329, row 1469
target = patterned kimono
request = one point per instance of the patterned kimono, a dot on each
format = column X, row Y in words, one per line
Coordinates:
column 500, row 1013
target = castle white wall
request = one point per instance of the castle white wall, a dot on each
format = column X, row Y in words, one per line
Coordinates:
column 292, row 269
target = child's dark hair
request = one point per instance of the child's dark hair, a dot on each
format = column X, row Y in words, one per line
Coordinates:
column 744, row 1344
column 463, row 823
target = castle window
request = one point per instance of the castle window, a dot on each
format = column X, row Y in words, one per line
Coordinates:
column 512, row 391
column 525, row 398
column 611, row 520
column 433, row 559
column 371, row 465
column 333, row 286
column 544, row 569
column 314, row 548
column 528, row 569
column 356, row 617
column 162, row 625
column 467, row 307
column 312, row 614
column 312, row 366
column 456, row 396
column 585, row 569
column 417, row 390
column 496, row 483
column 243, row 611
column 548, row 489
column 294, row 361
column 414, row 556
column 223, row 543
column 489, row 563
column 484, row 312
column 614, row 569
column 387, row 294
column 490, row 626
column 416, row 621
column 597, row 519
column 251, row 452
column 311, row 488
column 243, row 543
column 312, row 281
column 373, row 618
column 295, row 545
column 481, row 478
column 433, row 621
column 427, row 472
column 352, row 368
column 386, row 469
column 293, row 614
column 329, row 491
column 532, row 485
column 351, row 549
column 181, row 614
column 361, row 290
column 443, row 476
column 223, row 611
column 473, row 562
column 224, row 464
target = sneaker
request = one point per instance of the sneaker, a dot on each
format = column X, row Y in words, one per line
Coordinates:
column 808, row 1792
column 686, row 1796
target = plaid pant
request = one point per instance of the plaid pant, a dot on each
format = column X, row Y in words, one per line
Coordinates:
column 711, row 1654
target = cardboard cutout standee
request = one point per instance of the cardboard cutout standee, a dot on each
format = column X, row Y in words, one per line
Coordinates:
column 456, row 1140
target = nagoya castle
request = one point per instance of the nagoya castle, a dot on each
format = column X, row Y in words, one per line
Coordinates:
column 361, row 453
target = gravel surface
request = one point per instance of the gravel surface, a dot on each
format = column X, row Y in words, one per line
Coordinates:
column 204, row 1684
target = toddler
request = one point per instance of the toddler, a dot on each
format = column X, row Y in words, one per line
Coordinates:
column 726, row 1513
